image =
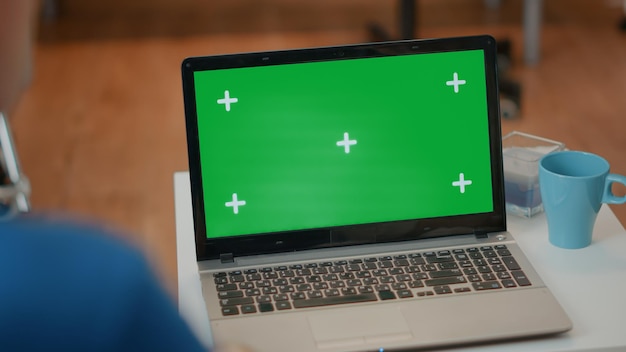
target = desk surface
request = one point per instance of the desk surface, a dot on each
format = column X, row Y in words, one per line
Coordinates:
column 590, row 283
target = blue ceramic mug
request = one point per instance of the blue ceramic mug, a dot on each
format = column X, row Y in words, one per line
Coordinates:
column 573, row 186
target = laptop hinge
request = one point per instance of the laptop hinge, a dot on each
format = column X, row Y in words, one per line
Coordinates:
column 227, row 258
column 480, row 234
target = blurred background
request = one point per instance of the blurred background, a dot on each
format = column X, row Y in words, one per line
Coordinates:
column 101, row 130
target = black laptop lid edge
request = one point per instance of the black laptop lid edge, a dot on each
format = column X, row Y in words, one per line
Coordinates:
column 356, row 234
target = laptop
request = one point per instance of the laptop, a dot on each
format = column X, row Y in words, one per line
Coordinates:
column 351, row 198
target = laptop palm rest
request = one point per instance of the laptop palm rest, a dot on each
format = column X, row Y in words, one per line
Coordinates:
column 368, row 325
column 427, row 323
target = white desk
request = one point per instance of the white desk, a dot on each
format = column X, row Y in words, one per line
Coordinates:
column 589, row 283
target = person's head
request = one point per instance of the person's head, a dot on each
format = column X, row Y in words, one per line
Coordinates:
column 17, row 24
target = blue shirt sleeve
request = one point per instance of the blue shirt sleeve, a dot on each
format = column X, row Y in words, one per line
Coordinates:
column 68, row 287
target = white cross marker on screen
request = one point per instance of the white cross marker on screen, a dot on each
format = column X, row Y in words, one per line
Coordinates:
column 461, row 183
column 235, row 203
column 346, row 142
column 456, row 82
column 227, row 100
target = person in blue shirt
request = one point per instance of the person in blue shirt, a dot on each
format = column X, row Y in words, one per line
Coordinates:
column 64, row 285
column 73, row 287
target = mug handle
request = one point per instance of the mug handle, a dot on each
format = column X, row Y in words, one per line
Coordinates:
column 608, row 196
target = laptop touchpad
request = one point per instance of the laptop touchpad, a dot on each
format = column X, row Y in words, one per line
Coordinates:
column 350, row 327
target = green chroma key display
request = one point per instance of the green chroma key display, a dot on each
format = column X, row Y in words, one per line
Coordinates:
column 316, row 145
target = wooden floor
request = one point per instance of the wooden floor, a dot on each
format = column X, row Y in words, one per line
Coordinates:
column 101, row 130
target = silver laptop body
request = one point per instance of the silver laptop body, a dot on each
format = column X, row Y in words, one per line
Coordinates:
column 352, row 199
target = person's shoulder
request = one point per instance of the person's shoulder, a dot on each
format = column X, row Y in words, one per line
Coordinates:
column 40, row 231
column 76, row 269
column 34, row 242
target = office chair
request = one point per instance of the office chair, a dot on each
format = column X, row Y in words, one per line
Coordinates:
column 622, row 24
column 510, row 90
column 14, row 185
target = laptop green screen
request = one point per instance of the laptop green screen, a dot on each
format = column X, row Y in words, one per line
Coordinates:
column 333, row 143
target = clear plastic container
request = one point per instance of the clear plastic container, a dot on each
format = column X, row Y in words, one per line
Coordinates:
column 521, row 153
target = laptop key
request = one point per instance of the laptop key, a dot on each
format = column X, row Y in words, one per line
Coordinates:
column 401, row 262
column 475, row 255
column 490, row 254
column 385, row 264
column 229, row 294
column 499, row 268
column 269, row 290
column 508, row 283
column 387, row 279
column 441, row 290
column 521, row 278
column 248, row 308
column 348, row 291
column 298, row 295
column 236, row 301
column 264, row 299
column 445, row 273
column 504, row 252
column 420, row 276
column 403, row 278
column 354, row 282
column 486, row 285
column 279, row 297
column 284, row 305
column 484, row 269
column 253, row 292
column 286, row 289
column 386, row 295
column 399, row 286
column 448, row 265
column 445, row 281
column 405, row 294
column 237, row 278
column 304, row 287
column 337, row 284
column 314, row 278
column 425, row 293
column 417, row 261
column 416, row 284
column 511, row 263
column 320, row 286
column 382, row 287
column 266, row 307
column 474, row 278
column 435, row 260
column 271, row 275
column 230, row 311
column 246, row 285
column 315, row 294
column 331, row 292
column 220, row 280
column 365, row 289
column 226, row 287
column 489, row 277
column 335, row 300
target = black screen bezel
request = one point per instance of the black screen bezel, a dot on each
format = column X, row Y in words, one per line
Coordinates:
column 356, row 234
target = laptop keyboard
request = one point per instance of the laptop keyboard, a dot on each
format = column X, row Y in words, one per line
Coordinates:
column 367, row 279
